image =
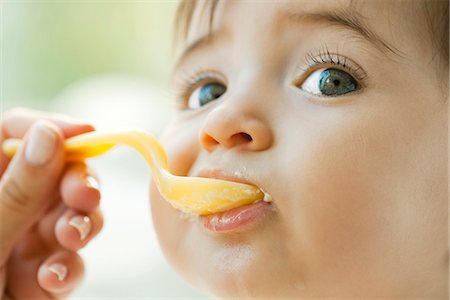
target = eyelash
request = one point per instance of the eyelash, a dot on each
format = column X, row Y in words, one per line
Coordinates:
column 317, row 58
column 189, row 82
column 314, row 60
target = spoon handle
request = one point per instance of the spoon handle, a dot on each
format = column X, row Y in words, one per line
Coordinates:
column 74, row 151
column 96, row 143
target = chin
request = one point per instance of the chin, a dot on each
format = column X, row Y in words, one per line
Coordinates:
column 220, row 284
column 240, row 287
column 237, row 273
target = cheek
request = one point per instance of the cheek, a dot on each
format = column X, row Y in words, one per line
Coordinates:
column 360, row 201
column 337, row 210
column 172, row 231
column 182, row 146
column 163, row 219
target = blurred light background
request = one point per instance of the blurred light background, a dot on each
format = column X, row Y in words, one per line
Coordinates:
column 106, row 62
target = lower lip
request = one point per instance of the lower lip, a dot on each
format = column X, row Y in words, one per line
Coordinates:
column 236, row 218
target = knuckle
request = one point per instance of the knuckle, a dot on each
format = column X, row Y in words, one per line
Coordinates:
column 13, row 196
column 15, row 120
column 16, row 112
column 97, row 219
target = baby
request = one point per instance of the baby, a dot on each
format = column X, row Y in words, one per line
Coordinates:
column 337, row 109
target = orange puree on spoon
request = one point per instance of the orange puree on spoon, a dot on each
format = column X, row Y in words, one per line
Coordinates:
column 195, row 195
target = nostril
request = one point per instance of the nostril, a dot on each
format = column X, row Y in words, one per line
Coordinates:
column 209, row 141
column 241, row 138
column 247, row 137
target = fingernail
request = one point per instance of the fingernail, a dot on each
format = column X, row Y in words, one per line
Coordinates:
column 59, row 270
column 91, row 182
column 83, row 224
column 41, row 144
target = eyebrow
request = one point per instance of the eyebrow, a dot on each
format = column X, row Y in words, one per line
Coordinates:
column 349, row 19
column 203, row 42
column 346, row 18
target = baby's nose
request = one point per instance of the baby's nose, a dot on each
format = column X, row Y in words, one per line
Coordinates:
column 229, row 127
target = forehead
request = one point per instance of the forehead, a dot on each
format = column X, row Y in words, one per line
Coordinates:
column 385, row 23
column 214, row 14
column 390, row 19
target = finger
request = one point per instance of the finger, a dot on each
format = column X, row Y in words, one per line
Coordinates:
column 60, row 273
column 79, row 188
column 23, row 265
column 46, row 226
column 75, row 229
column 29, row 183
column 4, row 159
column 17, row 121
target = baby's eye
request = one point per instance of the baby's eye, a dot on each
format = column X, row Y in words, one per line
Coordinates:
column 205, row 94
column 329, row 82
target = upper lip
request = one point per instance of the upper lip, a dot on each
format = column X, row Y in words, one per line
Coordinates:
column 224, row 175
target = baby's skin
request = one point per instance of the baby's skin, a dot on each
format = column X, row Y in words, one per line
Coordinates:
column 345, row 127
column 48, row 209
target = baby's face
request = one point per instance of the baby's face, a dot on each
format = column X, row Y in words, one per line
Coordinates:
column 345, row 128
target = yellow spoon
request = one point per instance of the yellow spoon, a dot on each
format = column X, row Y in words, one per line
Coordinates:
column 194, row 195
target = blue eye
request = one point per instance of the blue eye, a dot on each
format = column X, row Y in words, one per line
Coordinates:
column 205, row 94
column 329, row 82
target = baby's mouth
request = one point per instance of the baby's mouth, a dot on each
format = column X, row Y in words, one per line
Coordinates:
column 238, row 218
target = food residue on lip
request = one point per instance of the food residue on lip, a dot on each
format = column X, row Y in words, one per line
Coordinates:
column 188, row 216
column 238, row 173
column 267, row 196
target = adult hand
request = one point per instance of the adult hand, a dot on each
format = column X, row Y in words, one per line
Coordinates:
column 48, row 210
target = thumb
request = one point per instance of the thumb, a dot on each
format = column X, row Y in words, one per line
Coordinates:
column 29, row 184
